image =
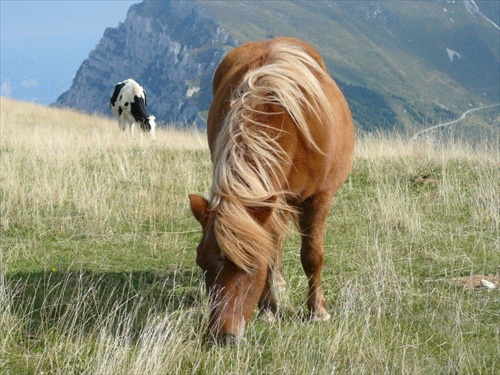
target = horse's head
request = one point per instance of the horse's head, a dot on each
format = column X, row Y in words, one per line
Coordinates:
column 233, row 292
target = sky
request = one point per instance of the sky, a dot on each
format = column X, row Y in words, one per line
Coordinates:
column 43, row 43
column 25, row 18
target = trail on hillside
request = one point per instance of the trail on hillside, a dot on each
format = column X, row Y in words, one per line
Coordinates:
column 462, row 116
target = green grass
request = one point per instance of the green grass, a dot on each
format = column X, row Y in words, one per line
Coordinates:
column 98, row 274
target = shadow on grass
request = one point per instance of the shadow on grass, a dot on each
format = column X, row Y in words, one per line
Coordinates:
column 87, row 301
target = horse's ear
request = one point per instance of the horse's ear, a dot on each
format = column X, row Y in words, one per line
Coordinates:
column 199, row 207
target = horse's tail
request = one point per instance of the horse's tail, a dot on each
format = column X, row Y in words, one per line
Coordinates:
column 248, row 158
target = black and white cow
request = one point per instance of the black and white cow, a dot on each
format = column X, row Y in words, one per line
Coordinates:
column 128, row 102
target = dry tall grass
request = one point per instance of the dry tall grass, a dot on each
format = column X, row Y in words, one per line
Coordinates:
column 97, row 271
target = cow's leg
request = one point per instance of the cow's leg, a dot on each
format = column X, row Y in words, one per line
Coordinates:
column 132, row 126
column 123, row 125
column 312, row 220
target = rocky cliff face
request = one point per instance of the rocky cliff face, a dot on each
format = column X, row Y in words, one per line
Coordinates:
column 171, row 48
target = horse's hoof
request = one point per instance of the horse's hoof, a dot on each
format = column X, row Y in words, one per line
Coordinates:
column 230, row 340
column 320, row 317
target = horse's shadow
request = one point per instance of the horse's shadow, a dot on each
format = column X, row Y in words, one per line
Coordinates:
column 85, row 301
column 122, row 303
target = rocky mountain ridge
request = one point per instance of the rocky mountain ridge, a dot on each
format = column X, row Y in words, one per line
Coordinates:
column 172, row 55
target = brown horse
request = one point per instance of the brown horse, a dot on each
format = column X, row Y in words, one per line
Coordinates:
column 281, row 138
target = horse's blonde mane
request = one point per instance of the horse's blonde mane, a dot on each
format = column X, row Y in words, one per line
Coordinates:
column 248, row 159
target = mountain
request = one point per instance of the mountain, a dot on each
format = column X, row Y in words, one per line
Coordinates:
column 400, row 64
column 170, row 48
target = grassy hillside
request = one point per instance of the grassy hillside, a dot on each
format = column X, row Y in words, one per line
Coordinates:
column 393, row 53
column 97, row 270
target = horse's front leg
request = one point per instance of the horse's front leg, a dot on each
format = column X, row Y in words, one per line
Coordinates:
column 312, row 221
column 275, row 284
column 268, row 304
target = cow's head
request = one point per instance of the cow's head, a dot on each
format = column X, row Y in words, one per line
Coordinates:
column 150, row 125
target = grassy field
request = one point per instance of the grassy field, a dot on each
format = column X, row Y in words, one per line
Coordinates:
column 98, row 273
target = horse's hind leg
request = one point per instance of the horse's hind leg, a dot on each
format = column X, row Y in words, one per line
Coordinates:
column 312, row 219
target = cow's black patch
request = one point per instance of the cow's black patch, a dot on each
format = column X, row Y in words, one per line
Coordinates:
column 120, row 111
column 146, row 126
column 138, row 108
column 116, row 92
column 126, row 104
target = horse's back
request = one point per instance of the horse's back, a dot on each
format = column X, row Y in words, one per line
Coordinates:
column 308, row 169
